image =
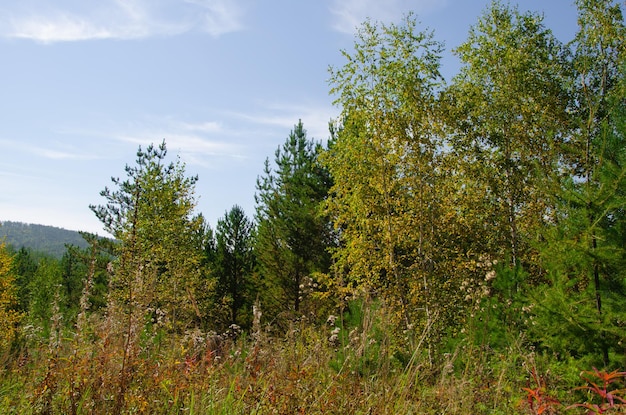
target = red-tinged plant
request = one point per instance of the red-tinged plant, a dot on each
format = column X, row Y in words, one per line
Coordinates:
column 610, row 399
column 539, row 401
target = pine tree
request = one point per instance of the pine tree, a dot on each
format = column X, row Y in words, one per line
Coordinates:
column 151, row 215
column 24, row 268
column 234, row 265
column 46, row 295
column 292, row 237
column 73, row 273
column 585, row 253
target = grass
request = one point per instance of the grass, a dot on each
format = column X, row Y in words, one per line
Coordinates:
column 303, row 371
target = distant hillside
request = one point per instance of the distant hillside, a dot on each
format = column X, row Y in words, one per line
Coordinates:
column 46, row 239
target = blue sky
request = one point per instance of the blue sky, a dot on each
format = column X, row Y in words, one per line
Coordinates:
column 83, row 83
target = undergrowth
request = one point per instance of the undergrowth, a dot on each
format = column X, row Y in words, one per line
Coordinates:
column 349, row 365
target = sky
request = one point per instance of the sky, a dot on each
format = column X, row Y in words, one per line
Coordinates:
column 84, row 83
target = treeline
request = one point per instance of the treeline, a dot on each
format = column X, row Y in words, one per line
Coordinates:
column 473, row 218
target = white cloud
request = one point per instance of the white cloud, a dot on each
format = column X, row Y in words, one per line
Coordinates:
column 62, row 27
column 54, row 151
column 285, row 115
column 228, row 136
column 219, row 16
column 119, row 19
column 204, row 127
column 203, row 143
column 349, row 14
column 193, row 149
column 61, row 155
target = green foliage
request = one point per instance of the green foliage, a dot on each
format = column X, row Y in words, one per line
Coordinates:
column 385, row 89
column 395, row 198
column 159, row 256
column 24, row 267
column 382, row 157
column 362, row 341
column 82, row 267
column 292, row 237
column 74, row 271
column 49, row 240
column 233, row 267
column 584, row 252
column 46, row 296
column 509, row 113
column 501, row 309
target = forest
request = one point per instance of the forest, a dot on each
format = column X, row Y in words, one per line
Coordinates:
column 39, row 238
column 453, row 247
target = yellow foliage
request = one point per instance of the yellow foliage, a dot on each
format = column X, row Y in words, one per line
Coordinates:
column 9, row 317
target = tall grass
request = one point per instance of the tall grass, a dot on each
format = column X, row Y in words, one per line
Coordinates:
column 347, row 366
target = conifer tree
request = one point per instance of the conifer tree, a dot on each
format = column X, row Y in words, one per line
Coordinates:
column 73, row 273
column 46, row 295
column 292, row 237
column 24, row 267
column 88, row 265
column 234, row 264
column 151, row 215
column 585, row 253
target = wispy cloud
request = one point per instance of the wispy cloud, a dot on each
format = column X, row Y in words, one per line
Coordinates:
column 217, row 17
column 349, row 14
column 226, row 136
column 202, row 143
column 203, row 127
column 51, row 151
column 284, row 116
column 219, row 138
column 193, row 149
column 56, row 154
column 119, row 19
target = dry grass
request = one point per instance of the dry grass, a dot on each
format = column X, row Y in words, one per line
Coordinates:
column 303, row 371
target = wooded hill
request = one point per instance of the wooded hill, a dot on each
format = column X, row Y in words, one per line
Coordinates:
column 49, row 240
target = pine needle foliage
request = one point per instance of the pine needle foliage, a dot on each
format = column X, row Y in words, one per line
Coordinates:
column 292, row 236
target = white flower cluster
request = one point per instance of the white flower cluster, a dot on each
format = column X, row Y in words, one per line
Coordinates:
column 334, row 336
